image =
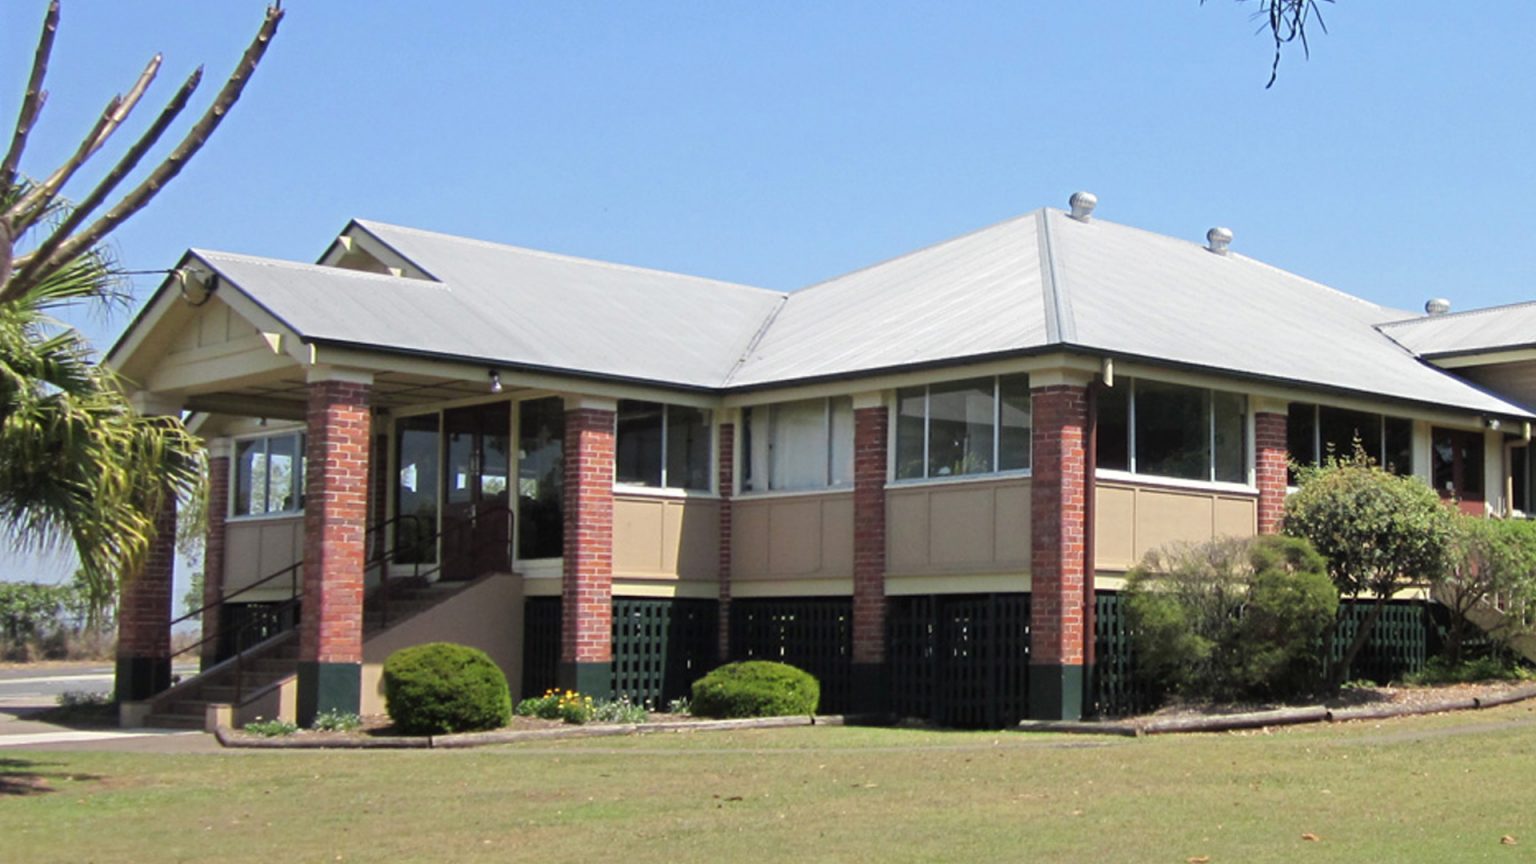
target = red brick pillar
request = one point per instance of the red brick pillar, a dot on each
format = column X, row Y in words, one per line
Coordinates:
column 586, row 589
column 727, row 480
column 335, row 519
column 1057, row 499
column 144, row 615
column 213, row 548
column 1269, row 459
column 871, row 427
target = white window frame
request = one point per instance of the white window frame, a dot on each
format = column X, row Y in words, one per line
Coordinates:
column 1209, row 481
column 828, row 482
column 666, row 422
column 301, row 472
column 997, row 435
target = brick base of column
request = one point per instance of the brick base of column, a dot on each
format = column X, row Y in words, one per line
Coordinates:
column 328, row 687
column 592, row 678
column 1057, row 515
column 1056, row 691
column 139, row 678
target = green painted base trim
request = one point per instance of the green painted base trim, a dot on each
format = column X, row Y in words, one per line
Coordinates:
column 139, row 678
column 1056, row 691
column 588, row 679
column 870, row 691
column 328, row 687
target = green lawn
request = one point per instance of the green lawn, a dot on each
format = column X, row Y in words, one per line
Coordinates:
column 1423, row 789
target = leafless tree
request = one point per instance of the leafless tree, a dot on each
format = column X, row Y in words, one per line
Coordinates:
column 1287, row 21
column 28, row 203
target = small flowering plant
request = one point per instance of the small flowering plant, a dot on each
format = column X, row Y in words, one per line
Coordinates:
column 578, row 709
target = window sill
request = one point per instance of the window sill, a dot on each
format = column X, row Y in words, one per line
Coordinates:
column 662, row 492
column 959, row 479
column 1175, row 482
column 264, row 517
column 766, row 494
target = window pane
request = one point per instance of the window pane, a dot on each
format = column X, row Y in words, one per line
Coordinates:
column 1013, row 443
column 1231, row 437
column 842, row 441
column 541, row 478
column 754, row 448
column 282, row 474
column 909, row 433
column 416, row 489
column 687, row 447
column 1301, row 436
column 960, row 427
column 1341, row 428
column 799, row 455
column 250, row 477
column 1399, row 456
column 639, row 443
column 1173, row 435
column 1114, row 443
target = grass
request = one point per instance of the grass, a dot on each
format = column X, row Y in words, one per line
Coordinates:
column 1420, row 789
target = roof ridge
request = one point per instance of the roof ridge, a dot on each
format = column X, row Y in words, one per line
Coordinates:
column 1462, row 314
column 370, row 224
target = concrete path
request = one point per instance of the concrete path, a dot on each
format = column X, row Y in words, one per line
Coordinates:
column 27, row 690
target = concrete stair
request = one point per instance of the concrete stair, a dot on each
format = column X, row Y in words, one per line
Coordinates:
column 185, row 705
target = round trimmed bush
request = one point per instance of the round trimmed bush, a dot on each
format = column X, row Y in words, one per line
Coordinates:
column 441, row 687
column 755, row 688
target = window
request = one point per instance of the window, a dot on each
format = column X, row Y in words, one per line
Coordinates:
column 798, row 445
column 1316, row 432
column 1169, row 430
column 269, row 475
column 663, row 445
column 975, row 426
column 1456, row 467
column 541, row 478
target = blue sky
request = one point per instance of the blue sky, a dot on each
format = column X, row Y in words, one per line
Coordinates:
column 781, row 144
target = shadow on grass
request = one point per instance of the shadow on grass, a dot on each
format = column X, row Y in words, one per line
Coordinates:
column 25, row 778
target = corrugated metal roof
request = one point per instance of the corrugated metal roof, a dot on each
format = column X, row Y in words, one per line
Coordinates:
column 1470, row 332
column 1032, row 283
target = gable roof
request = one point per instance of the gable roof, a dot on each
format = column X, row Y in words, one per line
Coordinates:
column 1496, row 328
column 1032, row 284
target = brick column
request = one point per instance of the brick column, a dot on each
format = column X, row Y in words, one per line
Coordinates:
column 144, row 615
column 727, row 479
column 335, row 519
column 1269, row 463
column 213, row 548
column 586, row 589
column 871, row 426
column 1057, row 498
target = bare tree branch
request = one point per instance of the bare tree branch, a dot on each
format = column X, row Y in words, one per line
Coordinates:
column 1287, row 22
column 48, row 253
column 23, row 213
column 32, row 103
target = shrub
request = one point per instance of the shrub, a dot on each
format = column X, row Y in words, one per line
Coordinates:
column 619, row 710
column 441, row 687
column 1442, row 670
column 1231, row 617
column 755, row 688
column 1492, row 564
column 336, row 720
column 270, row 728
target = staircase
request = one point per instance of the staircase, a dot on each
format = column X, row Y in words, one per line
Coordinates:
column 185, row 705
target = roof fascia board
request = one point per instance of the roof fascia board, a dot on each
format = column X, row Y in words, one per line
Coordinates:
column 1482, row 357
column 353, row 357
column 376, row 246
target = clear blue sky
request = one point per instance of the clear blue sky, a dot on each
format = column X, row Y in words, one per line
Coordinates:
column 781, row 144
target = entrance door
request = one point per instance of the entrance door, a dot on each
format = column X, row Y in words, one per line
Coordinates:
column 477, row 525
column 1457, row 462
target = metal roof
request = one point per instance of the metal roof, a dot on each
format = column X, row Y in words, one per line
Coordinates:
column 1495, row 328
column 1038, row 282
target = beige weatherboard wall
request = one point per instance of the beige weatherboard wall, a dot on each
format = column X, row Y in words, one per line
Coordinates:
column 972, row 535
column 792, row 544
column 1132, row 519
column 666, row 540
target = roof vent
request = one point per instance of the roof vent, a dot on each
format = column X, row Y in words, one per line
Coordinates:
column 1218, row 239
column 1082, row 204
column 1437, row 306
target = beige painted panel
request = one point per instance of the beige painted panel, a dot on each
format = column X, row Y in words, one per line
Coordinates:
column 1237, row 517
column 795, row 538
column 906, row 532
column 749, row 540
column 666, row 537
column 794, row 545
column 1132, row 520
column 971, row 527
column 257, row 548
column 1114, row 537
column 1013, row 529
